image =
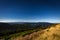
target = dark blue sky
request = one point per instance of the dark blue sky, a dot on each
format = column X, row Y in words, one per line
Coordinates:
column 30, row 10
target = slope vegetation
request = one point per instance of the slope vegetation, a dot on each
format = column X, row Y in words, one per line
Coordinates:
column 52, row 33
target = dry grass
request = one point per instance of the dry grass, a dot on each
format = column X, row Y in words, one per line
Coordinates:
column 52, row 33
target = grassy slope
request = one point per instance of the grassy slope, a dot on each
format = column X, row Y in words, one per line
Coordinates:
column 52, row 33
column 27, row 32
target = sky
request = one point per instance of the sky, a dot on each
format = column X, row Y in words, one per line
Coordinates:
column 29, row 10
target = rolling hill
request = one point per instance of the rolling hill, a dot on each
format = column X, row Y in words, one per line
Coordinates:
column 28, row 31
column 52, row 33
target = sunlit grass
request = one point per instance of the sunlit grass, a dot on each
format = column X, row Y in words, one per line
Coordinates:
column 52, row 33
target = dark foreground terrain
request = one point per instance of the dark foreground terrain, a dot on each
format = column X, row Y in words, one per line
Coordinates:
column 20, row 31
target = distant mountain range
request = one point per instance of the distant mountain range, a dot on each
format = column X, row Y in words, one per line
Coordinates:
column 26, row 22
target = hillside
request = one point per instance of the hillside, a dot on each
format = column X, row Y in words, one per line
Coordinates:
column 52, row 33
column 13, row 30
